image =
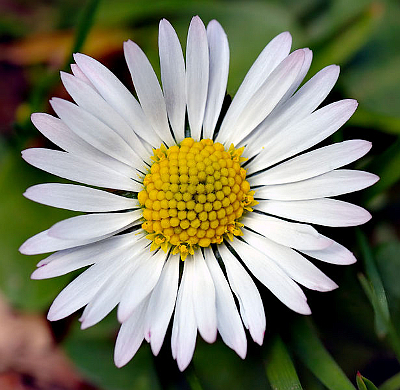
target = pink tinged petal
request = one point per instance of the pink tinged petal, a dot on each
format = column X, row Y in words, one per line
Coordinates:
column 61, row 135
column 148, row 90
column 204, row 299
column 197, row 75
column 95, row 132
column 326, row 212
column 230, row 325
column 86, row 227
column 304, row 134
column 76, row 70
column 250, row 303
column 267, row 96
column 141, row 283
column 333, row 254
column 130, row 336
column 184, row 328
column 314, row 163
column 87, row 98
column 294, row 235
column 78, row 198
column 71, row 167
column 173, row 76
column 218, row 76
column 267, row 61
column 109, row 295
column 290, row 112
column 118, row 96
column 338, row 182
column 292, row 263
column 83, row 289
column 272, row 276
column 161, row 304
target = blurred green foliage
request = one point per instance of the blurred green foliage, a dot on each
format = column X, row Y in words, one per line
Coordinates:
column 363, row 37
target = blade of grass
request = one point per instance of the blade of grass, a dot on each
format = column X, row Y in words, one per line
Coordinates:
column 313, row 354
column 279, row 367
column 376, row 285
column 392, row 383
column 386, row 166
column 364, row 383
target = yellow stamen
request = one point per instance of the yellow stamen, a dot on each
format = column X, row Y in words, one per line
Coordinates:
column 193, row 195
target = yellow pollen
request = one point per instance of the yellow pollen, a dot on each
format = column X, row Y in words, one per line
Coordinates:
column 193, row 195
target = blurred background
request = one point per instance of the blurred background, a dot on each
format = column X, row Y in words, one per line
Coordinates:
column 354, row 328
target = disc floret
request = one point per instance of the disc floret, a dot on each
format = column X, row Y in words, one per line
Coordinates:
column 193, row 195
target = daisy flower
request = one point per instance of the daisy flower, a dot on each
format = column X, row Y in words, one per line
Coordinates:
column 192, row 210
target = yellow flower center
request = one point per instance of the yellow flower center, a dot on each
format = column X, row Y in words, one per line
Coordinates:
column 194, row 193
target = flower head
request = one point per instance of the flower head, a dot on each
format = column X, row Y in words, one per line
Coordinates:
column 209, row 199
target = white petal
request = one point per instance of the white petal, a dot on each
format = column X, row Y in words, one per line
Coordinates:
column 276, row 280
column 229, row 323
column 204, row 299
column 43, row 243
column 68, row 260
column 270, row 57
column 61, row 263
column 95, row 132
column 87, row 98
column 292, row 263
column 313, row 163
column 267, row 96
column 148, row 90
column 305, row 134
column 250, row 303
column 85, row 227
column 78, row 169
column 184, row 328
column 333, row 254
column 218, row 76
column 130, row 336
column 197, row 71
column 327, row 212
column 61, row 135
column 338, row 182
column 141, row 283
column 308, row 55
column 161, row 304
column 291, row 111
column 82, row 289
column 78, row 198
column 294, row 235
column 118, row 96
column 109, row 295
column 173, row 76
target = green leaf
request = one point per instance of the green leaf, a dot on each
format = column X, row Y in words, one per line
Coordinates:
column 378, row 297
column 347, row 40
column 220, row 368
column 386, row 166
column 22, row 218
column 84, row 25
column 375, row 292
column 279, row 367
column 92, row 352
column 364, row 383
column 313, row 354
column 392, row 383
column 386, row 123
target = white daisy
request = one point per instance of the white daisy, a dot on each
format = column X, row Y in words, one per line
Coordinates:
column 220, row 198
